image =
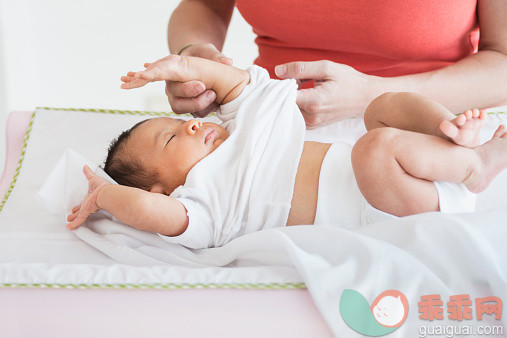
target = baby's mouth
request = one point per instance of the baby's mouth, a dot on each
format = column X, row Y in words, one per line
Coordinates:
column 209, row 135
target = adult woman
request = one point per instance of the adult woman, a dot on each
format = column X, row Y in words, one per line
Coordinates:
column 431, row 48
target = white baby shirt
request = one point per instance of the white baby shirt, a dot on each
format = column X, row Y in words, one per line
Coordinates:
column 247, row 183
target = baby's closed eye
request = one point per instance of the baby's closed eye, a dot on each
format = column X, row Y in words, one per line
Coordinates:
column 169, row 140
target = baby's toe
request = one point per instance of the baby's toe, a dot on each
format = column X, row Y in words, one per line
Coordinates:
column 500, row 131
column 461, row 120
column 449, row 129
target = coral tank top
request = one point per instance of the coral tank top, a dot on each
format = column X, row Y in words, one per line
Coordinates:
column 383, row 38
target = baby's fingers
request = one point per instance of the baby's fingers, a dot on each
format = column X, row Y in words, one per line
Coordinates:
column 134, row 83
column 72, row 217
column 88, row 172
column 76, row 208
column 75, row 223
column 127, row 78
column 72, row 225
column 151, row 74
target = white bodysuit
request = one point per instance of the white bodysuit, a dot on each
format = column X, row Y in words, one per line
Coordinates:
column 247, row 183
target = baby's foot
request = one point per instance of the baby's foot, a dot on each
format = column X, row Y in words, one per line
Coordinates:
column 465, row 129
column 493, row 159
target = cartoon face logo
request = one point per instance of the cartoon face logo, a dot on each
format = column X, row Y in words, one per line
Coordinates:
column 386, row 314
column 390, row 308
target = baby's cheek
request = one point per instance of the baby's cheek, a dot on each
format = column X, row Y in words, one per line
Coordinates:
column 218, row 143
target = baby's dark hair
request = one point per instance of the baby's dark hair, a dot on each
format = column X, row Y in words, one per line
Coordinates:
column 124, row 168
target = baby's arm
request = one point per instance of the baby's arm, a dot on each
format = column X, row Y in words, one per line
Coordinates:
column 138, row 208
column 144, row 210
column 227, row 81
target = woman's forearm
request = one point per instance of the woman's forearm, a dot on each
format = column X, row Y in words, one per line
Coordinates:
column 477, row 81
column 195, row 21
column 144, row 210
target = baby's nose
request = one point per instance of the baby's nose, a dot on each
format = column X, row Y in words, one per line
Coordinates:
column 192, row 126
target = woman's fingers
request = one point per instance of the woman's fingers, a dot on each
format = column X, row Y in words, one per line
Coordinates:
column 201, row 104
column 190, row 97
column 185, row 89
column 310, row 103
column 225, row 60
column 207, row 51
column 314, row 70
column 205, row 111
column 308, row 100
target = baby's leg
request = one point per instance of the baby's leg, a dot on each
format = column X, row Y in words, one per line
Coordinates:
column 413, row 112
column 395, row 169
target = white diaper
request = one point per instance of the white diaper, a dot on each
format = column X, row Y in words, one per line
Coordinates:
column 341, row 203
column 339, row 199
column 455, row 197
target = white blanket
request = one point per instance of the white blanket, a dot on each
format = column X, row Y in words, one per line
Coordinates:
column 418, row 255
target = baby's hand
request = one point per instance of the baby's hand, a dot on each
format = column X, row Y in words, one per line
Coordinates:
column 89, row 205
column 170, row 68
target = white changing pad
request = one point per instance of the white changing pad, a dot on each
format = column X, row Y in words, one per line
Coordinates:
column 418, row 255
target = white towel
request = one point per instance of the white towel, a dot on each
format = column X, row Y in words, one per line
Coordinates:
column 424, row 254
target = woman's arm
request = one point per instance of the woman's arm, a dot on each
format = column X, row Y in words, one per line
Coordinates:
column 478, row 80
column 203, row 24
column 196, row 22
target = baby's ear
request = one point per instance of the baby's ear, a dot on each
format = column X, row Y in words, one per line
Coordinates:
column 157, row 188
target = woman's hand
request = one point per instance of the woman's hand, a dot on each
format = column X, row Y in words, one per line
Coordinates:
column 339, row 90
column 192, row 96
column 89, row 205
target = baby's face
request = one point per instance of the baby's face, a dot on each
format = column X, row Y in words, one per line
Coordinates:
column 172, row 147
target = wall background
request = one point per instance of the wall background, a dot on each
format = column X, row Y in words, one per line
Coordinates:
column 68, row 53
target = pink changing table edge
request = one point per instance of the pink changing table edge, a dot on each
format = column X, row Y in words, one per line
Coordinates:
column 16, row 127
column 152, row 313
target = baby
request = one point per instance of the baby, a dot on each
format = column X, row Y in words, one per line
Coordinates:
column 203, row 184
